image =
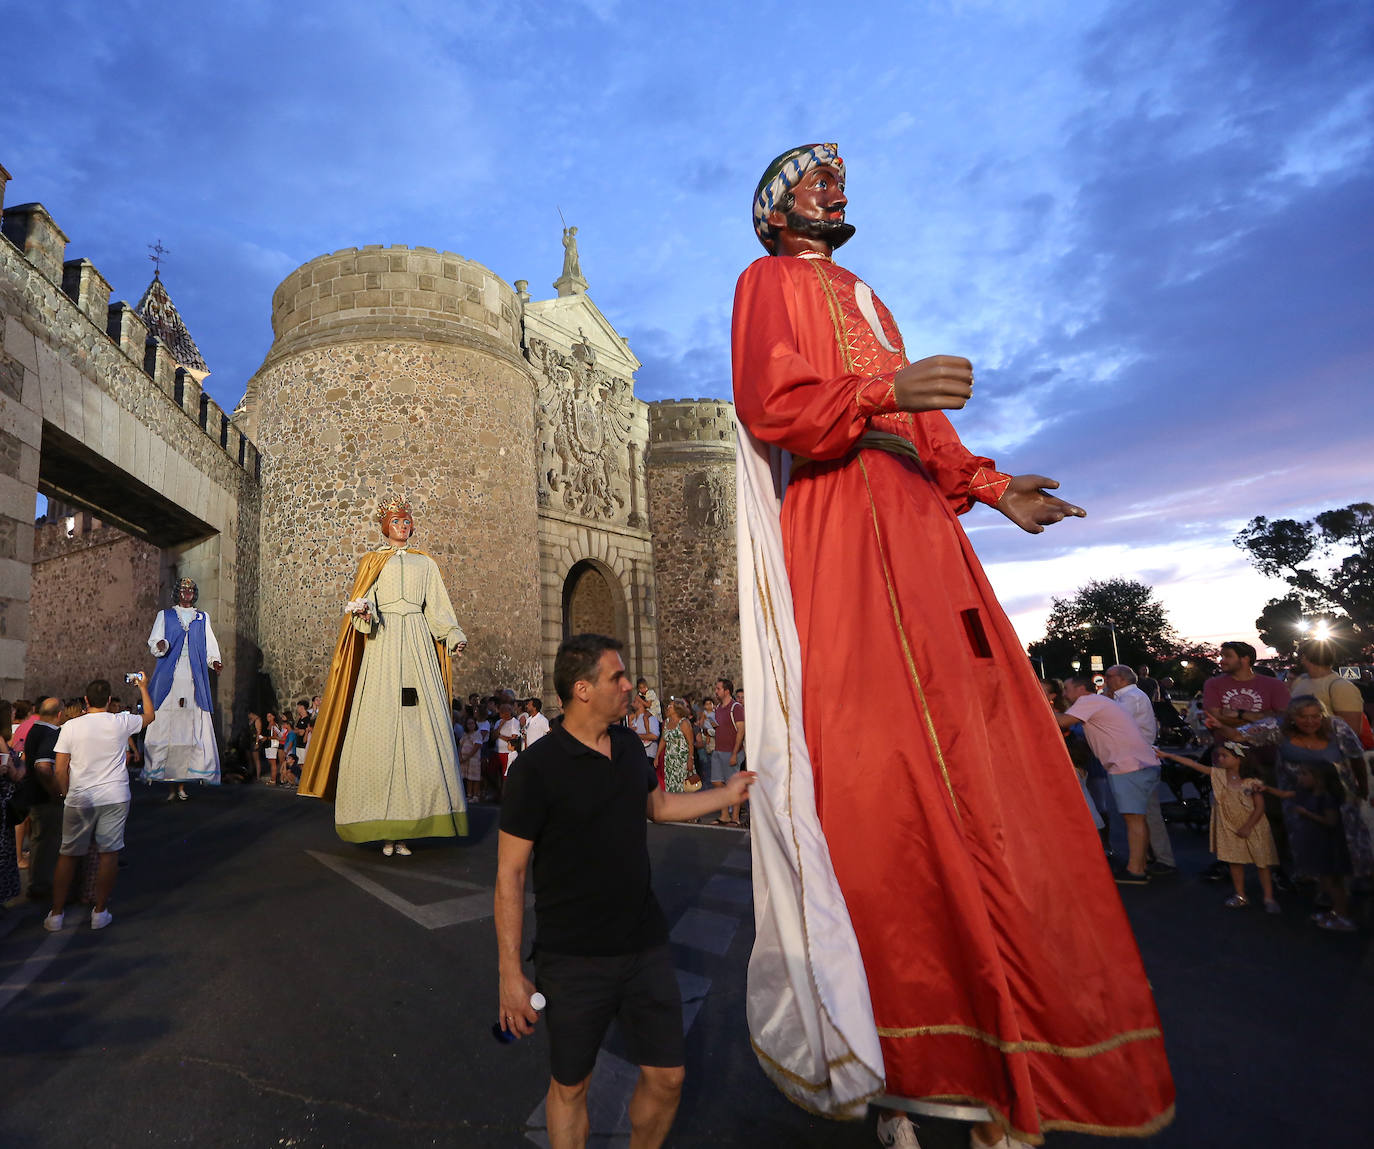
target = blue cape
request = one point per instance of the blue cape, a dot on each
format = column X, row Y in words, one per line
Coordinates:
column 167, row 664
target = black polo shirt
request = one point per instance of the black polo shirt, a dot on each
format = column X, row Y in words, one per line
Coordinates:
column 586, row 815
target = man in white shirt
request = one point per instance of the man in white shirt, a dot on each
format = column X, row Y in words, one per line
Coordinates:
column 507, row 734
column 94, row 780
column 534, row 724
column 1124, row 689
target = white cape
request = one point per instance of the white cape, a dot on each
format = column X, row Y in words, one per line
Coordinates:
column 810, row 1018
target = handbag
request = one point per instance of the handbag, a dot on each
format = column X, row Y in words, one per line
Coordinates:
column 692, row 783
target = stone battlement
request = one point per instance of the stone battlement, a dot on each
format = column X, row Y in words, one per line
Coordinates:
column 394, row 293
column 686, row 430
column 80, row 305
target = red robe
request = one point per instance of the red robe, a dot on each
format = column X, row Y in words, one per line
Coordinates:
column 1000, row 963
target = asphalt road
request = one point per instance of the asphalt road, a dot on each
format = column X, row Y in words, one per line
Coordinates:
column 266, row 985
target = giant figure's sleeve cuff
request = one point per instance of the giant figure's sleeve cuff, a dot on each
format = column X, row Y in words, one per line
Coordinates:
column 877, row 395
column 988, row 486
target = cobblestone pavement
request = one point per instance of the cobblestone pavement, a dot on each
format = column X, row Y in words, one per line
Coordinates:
column 266, row 985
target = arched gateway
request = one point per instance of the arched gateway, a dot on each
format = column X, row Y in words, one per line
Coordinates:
column 594, row 601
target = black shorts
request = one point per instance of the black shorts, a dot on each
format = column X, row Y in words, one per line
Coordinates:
column 585, row 994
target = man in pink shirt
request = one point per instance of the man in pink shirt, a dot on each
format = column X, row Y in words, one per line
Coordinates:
column 1132, row 766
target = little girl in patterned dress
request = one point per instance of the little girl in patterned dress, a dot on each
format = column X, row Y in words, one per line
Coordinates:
column 1240, row 833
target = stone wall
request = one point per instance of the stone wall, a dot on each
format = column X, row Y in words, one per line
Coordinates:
column 691, row 481
column 358, row 401
column 93, row 601
column 94, row 412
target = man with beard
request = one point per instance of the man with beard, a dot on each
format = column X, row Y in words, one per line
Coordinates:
column 937, row 929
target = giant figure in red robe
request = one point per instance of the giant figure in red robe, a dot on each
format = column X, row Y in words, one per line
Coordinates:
column 940, row 833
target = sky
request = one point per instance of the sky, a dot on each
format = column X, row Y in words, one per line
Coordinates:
column 1147, row 224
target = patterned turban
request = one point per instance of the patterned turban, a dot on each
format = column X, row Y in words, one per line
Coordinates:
column 185, row 584
column 783, row 174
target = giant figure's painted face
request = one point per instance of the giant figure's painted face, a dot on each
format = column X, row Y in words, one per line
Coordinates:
column 398, row 526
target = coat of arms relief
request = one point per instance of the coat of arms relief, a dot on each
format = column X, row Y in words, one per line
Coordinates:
column 586, row 421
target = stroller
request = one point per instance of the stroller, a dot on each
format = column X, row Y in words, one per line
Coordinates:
column 1195, row 813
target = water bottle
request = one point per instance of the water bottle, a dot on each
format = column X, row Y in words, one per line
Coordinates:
column 505, row 1036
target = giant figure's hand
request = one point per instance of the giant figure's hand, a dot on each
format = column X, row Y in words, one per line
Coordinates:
column 161, row 647
column 217, row 666
column 1027, row 504
column 939, row 383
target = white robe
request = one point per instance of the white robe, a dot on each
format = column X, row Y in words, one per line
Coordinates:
column 180, row 745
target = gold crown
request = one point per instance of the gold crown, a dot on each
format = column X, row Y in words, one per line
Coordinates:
column 392, row 505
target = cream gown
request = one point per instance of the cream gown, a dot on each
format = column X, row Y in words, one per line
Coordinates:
column 398, row 770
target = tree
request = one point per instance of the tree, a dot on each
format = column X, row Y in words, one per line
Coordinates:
column 1078, row 627
column 1342, row 592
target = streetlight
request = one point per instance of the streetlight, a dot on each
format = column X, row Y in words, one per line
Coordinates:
column 1116, row 654
column 1075, row 664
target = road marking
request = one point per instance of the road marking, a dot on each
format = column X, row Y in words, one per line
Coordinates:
column 704, row 930
column 728, row 888
column 431, row 915
column 608, row 1105
column 741, row 859
column 48, row 949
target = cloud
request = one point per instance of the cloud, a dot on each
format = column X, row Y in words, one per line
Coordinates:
column 1145, row 222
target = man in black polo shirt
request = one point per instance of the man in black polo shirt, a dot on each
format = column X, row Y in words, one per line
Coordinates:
column 576, row 801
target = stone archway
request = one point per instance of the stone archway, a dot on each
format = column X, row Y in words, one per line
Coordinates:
column 594, row 601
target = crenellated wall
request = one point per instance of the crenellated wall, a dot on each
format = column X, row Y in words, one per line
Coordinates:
column 96, row 416
column 691, row 482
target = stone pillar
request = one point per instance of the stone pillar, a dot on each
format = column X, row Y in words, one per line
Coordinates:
column 88, row 289
column 21, row 437
column 32, row 230
column 4, row 179
column 126, row 327
column 160, row 367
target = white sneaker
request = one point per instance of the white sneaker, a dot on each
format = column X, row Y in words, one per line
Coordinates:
column 100, row 918
column 53, row 922
column 387, row 850
column 402, row 849
column 897, row 1131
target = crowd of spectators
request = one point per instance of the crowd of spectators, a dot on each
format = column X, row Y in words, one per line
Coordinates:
column 64, row 796
column 692, row 743
column 1278, row 761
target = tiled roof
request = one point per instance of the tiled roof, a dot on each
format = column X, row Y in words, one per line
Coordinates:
column 160, row 314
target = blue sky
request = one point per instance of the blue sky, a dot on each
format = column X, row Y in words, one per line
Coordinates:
column 1148, row 224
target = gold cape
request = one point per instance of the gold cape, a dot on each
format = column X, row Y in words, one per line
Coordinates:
column 321, row 773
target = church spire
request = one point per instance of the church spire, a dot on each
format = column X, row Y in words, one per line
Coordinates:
column 157, row 310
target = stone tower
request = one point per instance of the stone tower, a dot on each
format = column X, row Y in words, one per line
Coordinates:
column 397, row 369
column 691, row 481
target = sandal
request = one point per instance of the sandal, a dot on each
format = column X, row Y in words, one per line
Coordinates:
column 1236, row 902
